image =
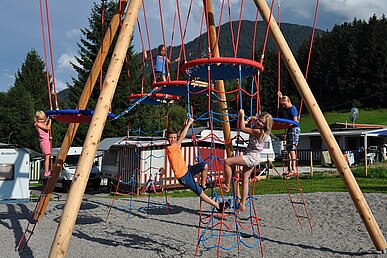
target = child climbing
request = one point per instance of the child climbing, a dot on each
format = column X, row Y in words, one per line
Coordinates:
column 160, row 63
column 43, row 126
column 261, row 125
column 292, row 135
column 185, row 174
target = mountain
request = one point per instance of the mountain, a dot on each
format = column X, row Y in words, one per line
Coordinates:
column 294, row 34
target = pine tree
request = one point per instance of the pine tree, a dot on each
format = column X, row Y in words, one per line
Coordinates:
column 19, row 104
column 88, row 49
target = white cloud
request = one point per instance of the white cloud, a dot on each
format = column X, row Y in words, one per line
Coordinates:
column 60, row 85
column 6, row 73
column 74, row 33
column 65, row 59
column 356, row 8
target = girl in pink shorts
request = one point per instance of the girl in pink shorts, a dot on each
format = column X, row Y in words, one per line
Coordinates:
column 43, row 126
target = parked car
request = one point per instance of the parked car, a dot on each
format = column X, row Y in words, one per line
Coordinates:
column 67, row 173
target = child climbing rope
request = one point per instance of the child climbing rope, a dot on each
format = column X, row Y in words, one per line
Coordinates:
column 292, row 136
column 160, row 63
column 43, row 126
column 261, row 125
column 185, row 174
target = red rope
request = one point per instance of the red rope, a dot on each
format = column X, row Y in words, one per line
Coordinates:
column 254, row 35
column 185, row 28
column 200, row 33
column 239, row 28
column 267, row 32
column 143, row 59
column 278, row 65
column 149, row 46
column 51, row 55
column 45, row 55
column 163, row 33
column 219, row 27
column 231, row 28
column 102, row 35
column 208, row 29
column 310, row 51
column 170, row 48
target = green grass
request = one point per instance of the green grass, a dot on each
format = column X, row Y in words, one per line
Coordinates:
column 374, row 182
column 321, row 183
column 366, row 117
column 318, row 183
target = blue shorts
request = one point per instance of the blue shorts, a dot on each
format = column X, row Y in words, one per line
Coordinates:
column 188, row 179
column 159, row 76
column 292, row 136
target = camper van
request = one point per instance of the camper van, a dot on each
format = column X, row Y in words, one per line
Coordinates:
column 69, row 166
column 14, row 171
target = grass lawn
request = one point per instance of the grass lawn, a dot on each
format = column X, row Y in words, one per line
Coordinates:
column 366, row 117
column 374, row 182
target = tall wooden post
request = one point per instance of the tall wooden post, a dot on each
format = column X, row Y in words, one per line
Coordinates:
column 219, row 84
column 83, row 100
column 70, row 212
column 322, row 125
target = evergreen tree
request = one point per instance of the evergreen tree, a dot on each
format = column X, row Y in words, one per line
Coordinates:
column 128, row 81
column 19, row 104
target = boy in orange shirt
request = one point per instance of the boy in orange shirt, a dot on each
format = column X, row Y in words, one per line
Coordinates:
column 185, row 174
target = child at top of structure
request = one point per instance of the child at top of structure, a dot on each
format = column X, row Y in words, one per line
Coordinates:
column 43, row 126
column 261, row 125
column 185, row 174
column 292, row 135
column 160, row 63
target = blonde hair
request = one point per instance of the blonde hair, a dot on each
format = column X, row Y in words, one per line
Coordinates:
column 285, row 99
column 39, row 114
column 269, row 121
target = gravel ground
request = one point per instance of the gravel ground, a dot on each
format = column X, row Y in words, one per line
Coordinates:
column 136, row 228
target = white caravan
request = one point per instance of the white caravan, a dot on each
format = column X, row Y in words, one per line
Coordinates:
column 70, row 165
column 14, row 173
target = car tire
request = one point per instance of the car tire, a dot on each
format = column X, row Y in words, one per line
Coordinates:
column 65, row 186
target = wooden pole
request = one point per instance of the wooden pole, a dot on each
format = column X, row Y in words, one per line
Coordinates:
column 219, row 84
column 322, row 125
column 311, row 163
column 66, row 225
column 82, row 103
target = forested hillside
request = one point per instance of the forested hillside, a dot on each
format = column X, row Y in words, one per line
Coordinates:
column 349, row 65
column 347, row 68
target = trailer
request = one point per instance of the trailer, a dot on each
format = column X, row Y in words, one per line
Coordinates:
column 14, row 174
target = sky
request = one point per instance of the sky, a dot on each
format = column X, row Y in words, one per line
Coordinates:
column 21, row 27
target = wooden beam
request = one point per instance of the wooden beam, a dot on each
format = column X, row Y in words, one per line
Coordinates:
column 70, row 212
column 323, row 127
column 219, row 84
column 45, row 197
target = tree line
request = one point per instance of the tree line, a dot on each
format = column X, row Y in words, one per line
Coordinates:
column 347, row 68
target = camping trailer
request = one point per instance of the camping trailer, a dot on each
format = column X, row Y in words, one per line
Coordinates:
column 14, row 174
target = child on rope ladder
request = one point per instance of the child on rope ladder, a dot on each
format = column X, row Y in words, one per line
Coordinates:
column 43, row 126
column 185, row 174
column 160, row 63
column 261, row 125
column 292, row 136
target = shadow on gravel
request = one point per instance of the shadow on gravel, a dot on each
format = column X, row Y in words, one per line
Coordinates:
column 325, row 250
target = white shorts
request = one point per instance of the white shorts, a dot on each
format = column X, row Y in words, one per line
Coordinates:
column 252, row 159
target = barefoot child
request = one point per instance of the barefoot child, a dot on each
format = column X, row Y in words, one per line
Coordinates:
column 261, row 126
column 292, row 136
column 185, row 174
column 43, row 126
